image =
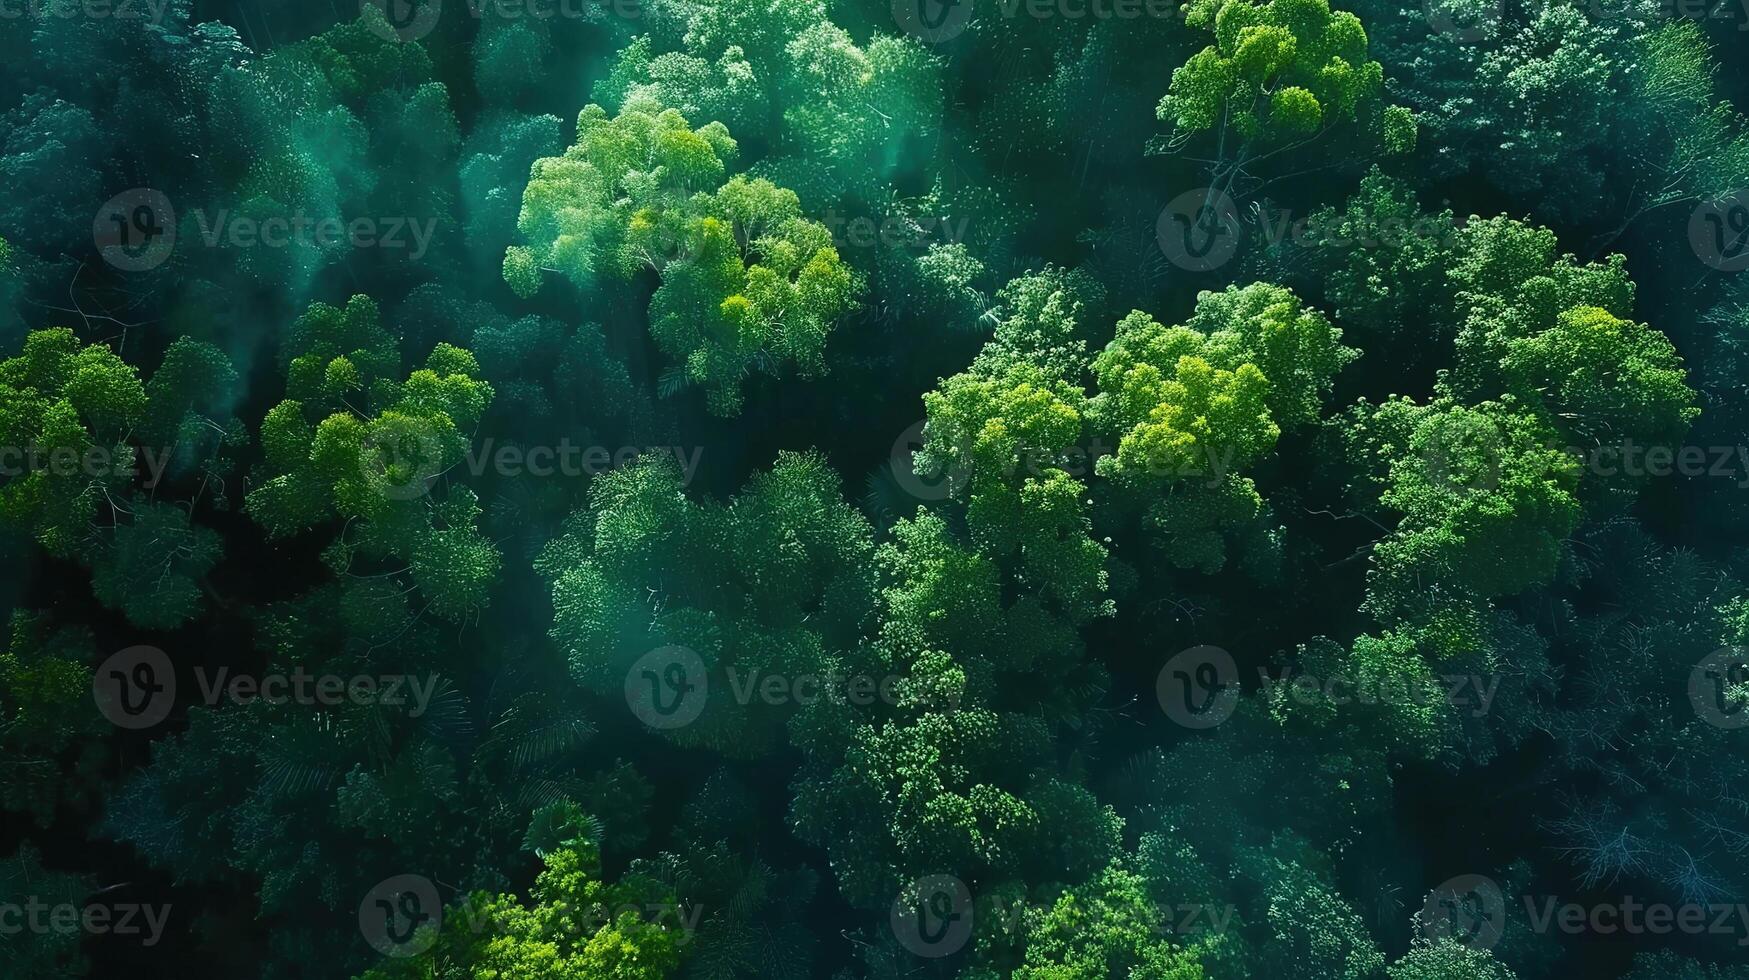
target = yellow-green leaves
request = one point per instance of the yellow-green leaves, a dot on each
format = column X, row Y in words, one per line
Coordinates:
column 747, row 282
column 1278, row 71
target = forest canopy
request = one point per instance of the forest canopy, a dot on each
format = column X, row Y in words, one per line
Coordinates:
column 859, row 490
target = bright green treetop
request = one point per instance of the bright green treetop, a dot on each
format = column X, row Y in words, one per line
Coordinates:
column 575, row 926
column 1279, row 73
column 1485, row 502
column 367, row 448
column 747, row 283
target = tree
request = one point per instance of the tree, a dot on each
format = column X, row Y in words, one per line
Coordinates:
column 772, row 585
column 1447, row 959
column 578, row 925
column 353, row 443
column 1192, row 407
column 1279, row 75
column 75, row 403
column 755, row 284
column 746, row 282
column 640, row 169
column 53, row 954
column 1485, row 502
column 944, row 776
column 1379, row 263
column 84, row 422
column 1107, row 927
column 496, row 160
column 50, row 732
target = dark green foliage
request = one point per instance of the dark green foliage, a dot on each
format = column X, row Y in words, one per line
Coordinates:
column 424, row 434
column 49, row 728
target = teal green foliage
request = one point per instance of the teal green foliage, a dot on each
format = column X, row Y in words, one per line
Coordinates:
column 777, row 583
column 52, row 954
column 677, row 474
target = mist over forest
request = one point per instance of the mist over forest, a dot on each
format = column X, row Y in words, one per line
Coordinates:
column 860, row 490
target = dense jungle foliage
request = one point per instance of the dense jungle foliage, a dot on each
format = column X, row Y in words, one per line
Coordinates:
column 976, row 489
